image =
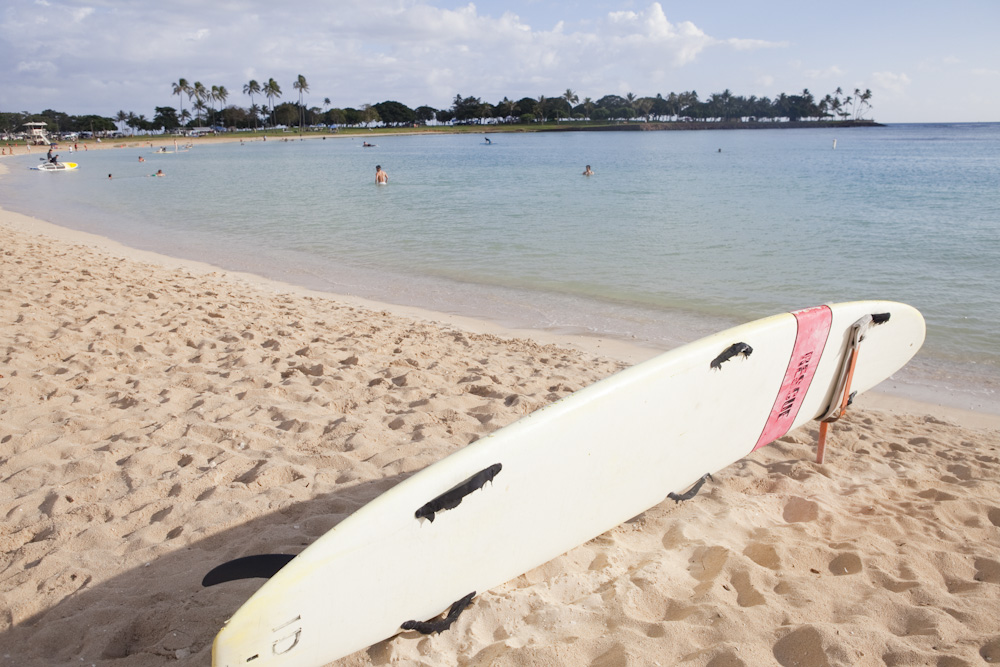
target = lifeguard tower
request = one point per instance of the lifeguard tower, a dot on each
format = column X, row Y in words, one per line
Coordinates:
column 37, row 135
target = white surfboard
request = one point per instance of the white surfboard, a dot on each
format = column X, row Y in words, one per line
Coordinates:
column 557, row 478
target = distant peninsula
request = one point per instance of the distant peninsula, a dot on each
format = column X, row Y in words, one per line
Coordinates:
column 711, row 125
column 556, row 113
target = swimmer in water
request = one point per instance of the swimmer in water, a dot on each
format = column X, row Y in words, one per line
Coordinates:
column 588, row 171
column 381, row 178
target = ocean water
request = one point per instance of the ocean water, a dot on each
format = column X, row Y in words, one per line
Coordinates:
column 677, row 235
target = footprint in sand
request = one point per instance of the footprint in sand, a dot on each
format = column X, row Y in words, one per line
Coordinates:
column 726, row 659
column 802, row 647
column 705, row 565
column 990, row 651
column 993, row 514
column 746, row 594
column 845, row 563
column 987, row 570
column 799, row 510
column 764, row 555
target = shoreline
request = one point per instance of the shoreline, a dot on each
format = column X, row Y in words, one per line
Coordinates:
column 927, row 385
column 902, row 396
column 154, row 141
column 161, row 416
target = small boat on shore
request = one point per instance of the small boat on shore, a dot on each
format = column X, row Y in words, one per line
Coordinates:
column 56, row 166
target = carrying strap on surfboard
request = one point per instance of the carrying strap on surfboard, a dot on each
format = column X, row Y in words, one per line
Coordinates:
column 842, row 396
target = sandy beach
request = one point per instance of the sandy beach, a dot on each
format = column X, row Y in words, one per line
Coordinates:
column 163, row 141
column 159, row 417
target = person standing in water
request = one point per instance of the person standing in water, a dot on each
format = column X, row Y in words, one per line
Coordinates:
column 588, row 171
column 381, row 178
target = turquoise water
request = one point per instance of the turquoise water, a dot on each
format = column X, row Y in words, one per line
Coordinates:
column 669, row 240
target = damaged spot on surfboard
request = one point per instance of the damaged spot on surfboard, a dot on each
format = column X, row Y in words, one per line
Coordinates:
column 730, row 352
column 453, row 497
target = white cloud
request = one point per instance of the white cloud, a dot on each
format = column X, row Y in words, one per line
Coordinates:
column 35, row 67
column 831, row 72
column 753, row 44
column 198, row 35
column 890, row 82
column 79, row 14
column 353, row 51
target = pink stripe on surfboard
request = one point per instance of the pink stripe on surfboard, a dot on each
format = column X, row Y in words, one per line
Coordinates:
column 810, row 339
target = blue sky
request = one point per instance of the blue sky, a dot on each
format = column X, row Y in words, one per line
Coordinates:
column 924, row 61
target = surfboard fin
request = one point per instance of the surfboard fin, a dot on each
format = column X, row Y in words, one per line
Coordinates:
column 262, row 566
column 453, row 497
column 729, row 353
column 692, row 492
column 428, row 627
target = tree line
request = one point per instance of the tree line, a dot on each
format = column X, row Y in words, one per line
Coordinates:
column 684, row 106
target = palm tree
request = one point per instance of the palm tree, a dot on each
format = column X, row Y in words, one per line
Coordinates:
column 190, row 92
column 571, row 97
column 644, row 107
column 588, row 106
column 861, row 102
column 222, row 95
column 122, row 117
column 199, row 109
column 200, row 93
column 303, row 87
column 826, row 105
column 132, row 121
column 507, row 107
column 180, row 89
column 673, row 105
column 251, row 89
column 726, row 100
column 540, row 107
column 781, row 105
column 213, row 95
column 687, row 100
column 272, row 90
